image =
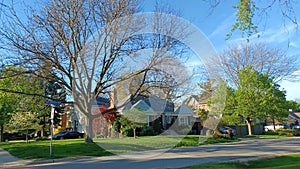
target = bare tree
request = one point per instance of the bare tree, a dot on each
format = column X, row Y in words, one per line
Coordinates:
column 275, row 62
column 92, row 45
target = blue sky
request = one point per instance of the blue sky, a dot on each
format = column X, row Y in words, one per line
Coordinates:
column 215, row 24
column 273, row 29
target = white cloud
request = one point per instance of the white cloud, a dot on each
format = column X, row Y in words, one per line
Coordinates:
column 279, row 35
column 292, row 89
column 275, row 35
column 224, row 27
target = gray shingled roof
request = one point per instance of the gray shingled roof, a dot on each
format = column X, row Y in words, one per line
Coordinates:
column 184, row 109
column 141, row 105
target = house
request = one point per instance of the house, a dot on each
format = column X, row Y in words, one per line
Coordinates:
column 101, row 125
column 294, row 119
column 196, row 102
column 184, row 115
column 155, row 107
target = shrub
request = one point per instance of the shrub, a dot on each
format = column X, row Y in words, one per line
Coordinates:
column 285, row 132
column 41, row 138
column 149, row 131
column 271, row 132
column 296, row 132
column 127, row 131
column 157, row 127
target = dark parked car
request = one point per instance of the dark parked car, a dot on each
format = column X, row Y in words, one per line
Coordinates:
column 66, row 135
column 14, row 136
column 227, row 130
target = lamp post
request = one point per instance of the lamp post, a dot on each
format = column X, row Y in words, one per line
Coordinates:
column 53, row 105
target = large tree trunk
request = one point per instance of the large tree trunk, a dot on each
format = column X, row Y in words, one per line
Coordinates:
column 249, row 127
column 1, row 133
column 89, row 131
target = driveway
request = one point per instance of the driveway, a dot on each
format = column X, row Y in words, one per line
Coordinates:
column 249, row 149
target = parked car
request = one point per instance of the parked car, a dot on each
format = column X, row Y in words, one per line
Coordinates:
column 66, row 135
column 271, row 127
column 14, row 136
column 295, row 127
column 227, row 130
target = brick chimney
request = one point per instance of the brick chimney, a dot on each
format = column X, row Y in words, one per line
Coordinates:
column 113, row 98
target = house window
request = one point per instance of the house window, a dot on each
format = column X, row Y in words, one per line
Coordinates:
column 169, row 119
column 182, row 120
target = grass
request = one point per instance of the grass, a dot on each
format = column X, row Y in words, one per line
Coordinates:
column 101, row 147
column 271, row 136
column 129, row 144
column 282, row 162
column 61, row 149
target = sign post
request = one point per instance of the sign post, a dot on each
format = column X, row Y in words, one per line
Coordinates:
column 53, row 105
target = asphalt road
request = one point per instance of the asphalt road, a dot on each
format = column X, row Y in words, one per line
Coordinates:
column 240, row 151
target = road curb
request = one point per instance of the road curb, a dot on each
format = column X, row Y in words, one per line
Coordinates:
column 57, row 160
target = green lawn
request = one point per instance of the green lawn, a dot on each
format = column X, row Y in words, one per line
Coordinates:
column 61, row 149
column 129, row 144
column 270, row 136
column 101, row 147
column 282, row 162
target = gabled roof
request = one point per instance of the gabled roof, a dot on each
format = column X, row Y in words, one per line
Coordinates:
column 157, row 104
column 196, row 97
column 141, row 105
column 184, row 109
column 195, row 100
column 295, row 115
column 102, row 101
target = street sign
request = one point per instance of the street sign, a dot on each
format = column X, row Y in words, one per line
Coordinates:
column 55, row 103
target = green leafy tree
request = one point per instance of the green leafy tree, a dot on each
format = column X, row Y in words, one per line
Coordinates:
column 6, row 109
column 293, row 105
column 229, row 116
column 202, row 114
column 217, row 105
column 8, row 100
column 56, row 92
column 16, row 79
column 276, row 104
column 258, row 97
column 134, row 118
column 250, row 95
column 24, row 120
column 250, row 11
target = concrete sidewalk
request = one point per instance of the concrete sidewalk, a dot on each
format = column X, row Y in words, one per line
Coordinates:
column 7, row 160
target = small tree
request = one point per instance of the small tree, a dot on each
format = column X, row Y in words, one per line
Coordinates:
column 134, row 118
column 24, row 120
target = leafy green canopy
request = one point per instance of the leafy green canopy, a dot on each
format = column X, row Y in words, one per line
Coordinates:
column 257, row 97
column 10, row 103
